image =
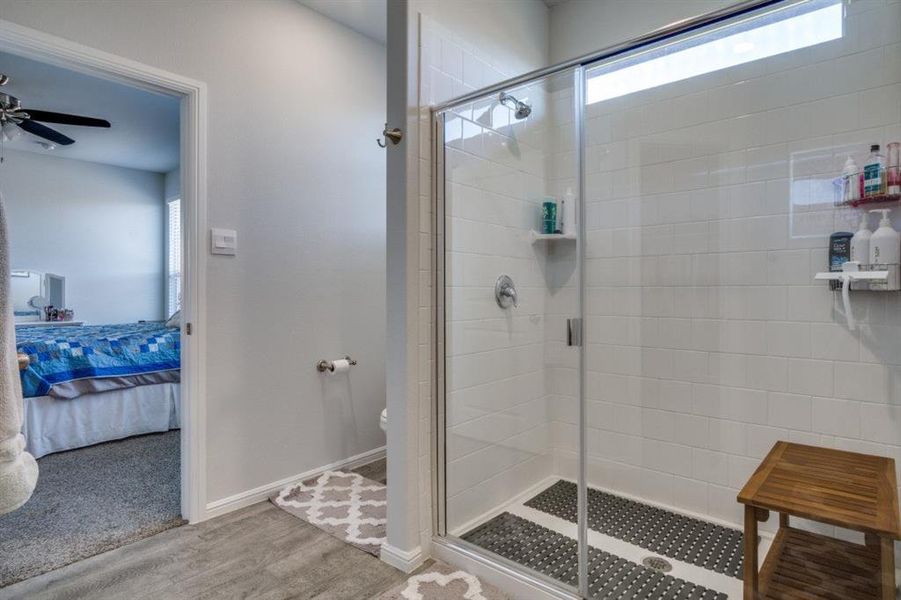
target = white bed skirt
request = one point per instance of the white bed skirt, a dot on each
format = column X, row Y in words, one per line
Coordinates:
column 53, row 425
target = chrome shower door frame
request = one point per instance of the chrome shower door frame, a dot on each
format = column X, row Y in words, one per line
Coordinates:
column 438, row 379
column 438, row 263
column 438, row 415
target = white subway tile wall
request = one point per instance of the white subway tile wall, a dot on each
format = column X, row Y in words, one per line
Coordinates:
column 498, row 428
column 709, row 206
column 498, row 438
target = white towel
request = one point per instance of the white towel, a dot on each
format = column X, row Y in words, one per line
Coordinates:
column 18, row 469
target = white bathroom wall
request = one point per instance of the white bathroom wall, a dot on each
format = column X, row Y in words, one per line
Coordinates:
column 512, row 37
column 709, row 207
column 295, row 104
column 99, row 226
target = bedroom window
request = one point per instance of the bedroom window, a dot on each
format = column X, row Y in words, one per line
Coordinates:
column 173, row 260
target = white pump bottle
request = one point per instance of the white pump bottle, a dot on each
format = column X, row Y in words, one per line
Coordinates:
column 885, row 243
column 569, row 213
column 860, row 243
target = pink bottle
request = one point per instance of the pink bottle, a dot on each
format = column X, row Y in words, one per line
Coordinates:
column 894, row 168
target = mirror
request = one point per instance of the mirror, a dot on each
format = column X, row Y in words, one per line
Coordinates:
column 32, row 290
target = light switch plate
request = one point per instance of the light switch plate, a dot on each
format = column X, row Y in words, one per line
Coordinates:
column 223, row 241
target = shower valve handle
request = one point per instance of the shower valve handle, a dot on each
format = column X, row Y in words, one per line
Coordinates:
column 505, row 292
column 511, row 294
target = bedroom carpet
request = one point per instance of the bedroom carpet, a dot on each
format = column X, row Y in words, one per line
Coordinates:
column 91, row 500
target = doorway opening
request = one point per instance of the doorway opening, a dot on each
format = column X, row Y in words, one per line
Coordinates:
column 103, row 224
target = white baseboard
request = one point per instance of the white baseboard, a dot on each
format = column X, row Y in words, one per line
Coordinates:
column 258, row 494
column 406, row 561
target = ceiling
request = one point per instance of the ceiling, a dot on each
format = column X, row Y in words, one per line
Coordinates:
column 145, row 126
column 369, row 17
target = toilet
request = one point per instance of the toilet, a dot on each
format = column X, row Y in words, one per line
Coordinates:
column 383, row 420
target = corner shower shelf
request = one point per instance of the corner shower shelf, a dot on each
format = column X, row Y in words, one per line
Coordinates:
column 534, row 236
column 880, row 199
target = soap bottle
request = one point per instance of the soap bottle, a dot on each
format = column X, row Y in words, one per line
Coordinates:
column 874, row 173
column 885, row 243
column 860, row 242
column 850, row 181
column 549, row 215
column 568, row 219
column 839, row 254
column 860, row 250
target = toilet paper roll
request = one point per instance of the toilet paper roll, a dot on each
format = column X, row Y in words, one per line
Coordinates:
column 340, row 366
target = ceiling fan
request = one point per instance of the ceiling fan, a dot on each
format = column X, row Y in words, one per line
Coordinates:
column 14, row 117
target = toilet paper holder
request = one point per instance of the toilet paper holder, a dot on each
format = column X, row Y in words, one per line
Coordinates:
column 327, row 365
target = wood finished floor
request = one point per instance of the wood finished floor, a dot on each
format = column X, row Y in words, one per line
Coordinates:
column 258, row 552
column 376, row 470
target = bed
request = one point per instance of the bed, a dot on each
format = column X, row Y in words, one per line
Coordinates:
column 97, row 383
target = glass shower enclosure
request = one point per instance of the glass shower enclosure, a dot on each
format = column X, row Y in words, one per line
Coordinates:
column 626, row 316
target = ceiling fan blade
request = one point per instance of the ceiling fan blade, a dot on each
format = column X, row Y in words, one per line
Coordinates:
column 45, row 132
column 46, row 116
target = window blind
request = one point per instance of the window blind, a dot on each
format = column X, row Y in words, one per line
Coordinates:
column 174, row 258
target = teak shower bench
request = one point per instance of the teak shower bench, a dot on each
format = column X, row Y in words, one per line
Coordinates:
column 854, row 491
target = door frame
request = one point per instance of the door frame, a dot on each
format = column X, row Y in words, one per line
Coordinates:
column 43, row 47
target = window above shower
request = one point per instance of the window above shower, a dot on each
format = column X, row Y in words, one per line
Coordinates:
column 792, row 28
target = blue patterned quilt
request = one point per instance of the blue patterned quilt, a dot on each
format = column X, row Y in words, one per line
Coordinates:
column 61, row 354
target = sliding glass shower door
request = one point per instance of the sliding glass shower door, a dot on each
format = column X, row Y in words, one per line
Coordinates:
column 509, row 299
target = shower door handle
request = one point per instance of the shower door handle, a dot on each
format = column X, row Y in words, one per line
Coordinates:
column 574, row 332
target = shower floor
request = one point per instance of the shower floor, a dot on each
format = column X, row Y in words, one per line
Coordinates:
column 539, row 531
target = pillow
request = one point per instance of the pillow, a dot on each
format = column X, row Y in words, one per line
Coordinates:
column 174, row 322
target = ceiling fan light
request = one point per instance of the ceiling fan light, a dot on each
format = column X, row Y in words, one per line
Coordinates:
column 10, row 131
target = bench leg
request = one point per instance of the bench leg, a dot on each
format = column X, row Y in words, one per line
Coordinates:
column 886, row 547
column 750, row 560
column 887, row 567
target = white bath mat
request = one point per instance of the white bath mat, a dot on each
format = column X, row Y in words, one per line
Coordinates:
column 346, row 505
column 441, row 581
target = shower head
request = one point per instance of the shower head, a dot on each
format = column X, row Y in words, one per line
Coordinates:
column 522, row 110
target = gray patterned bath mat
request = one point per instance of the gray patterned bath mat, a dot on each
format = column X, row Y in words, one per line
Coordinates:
column 555, row 555
column 346, row 505
column 443, row 582
column 690, row 540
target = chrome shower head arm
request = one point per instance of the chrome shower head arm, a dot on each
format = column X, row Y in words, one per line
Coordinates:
column 521, row 109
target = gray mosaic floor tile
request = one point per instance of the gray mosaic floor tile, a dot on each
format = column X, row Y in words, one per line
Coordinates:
column 554, row 555
column 663, row 532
